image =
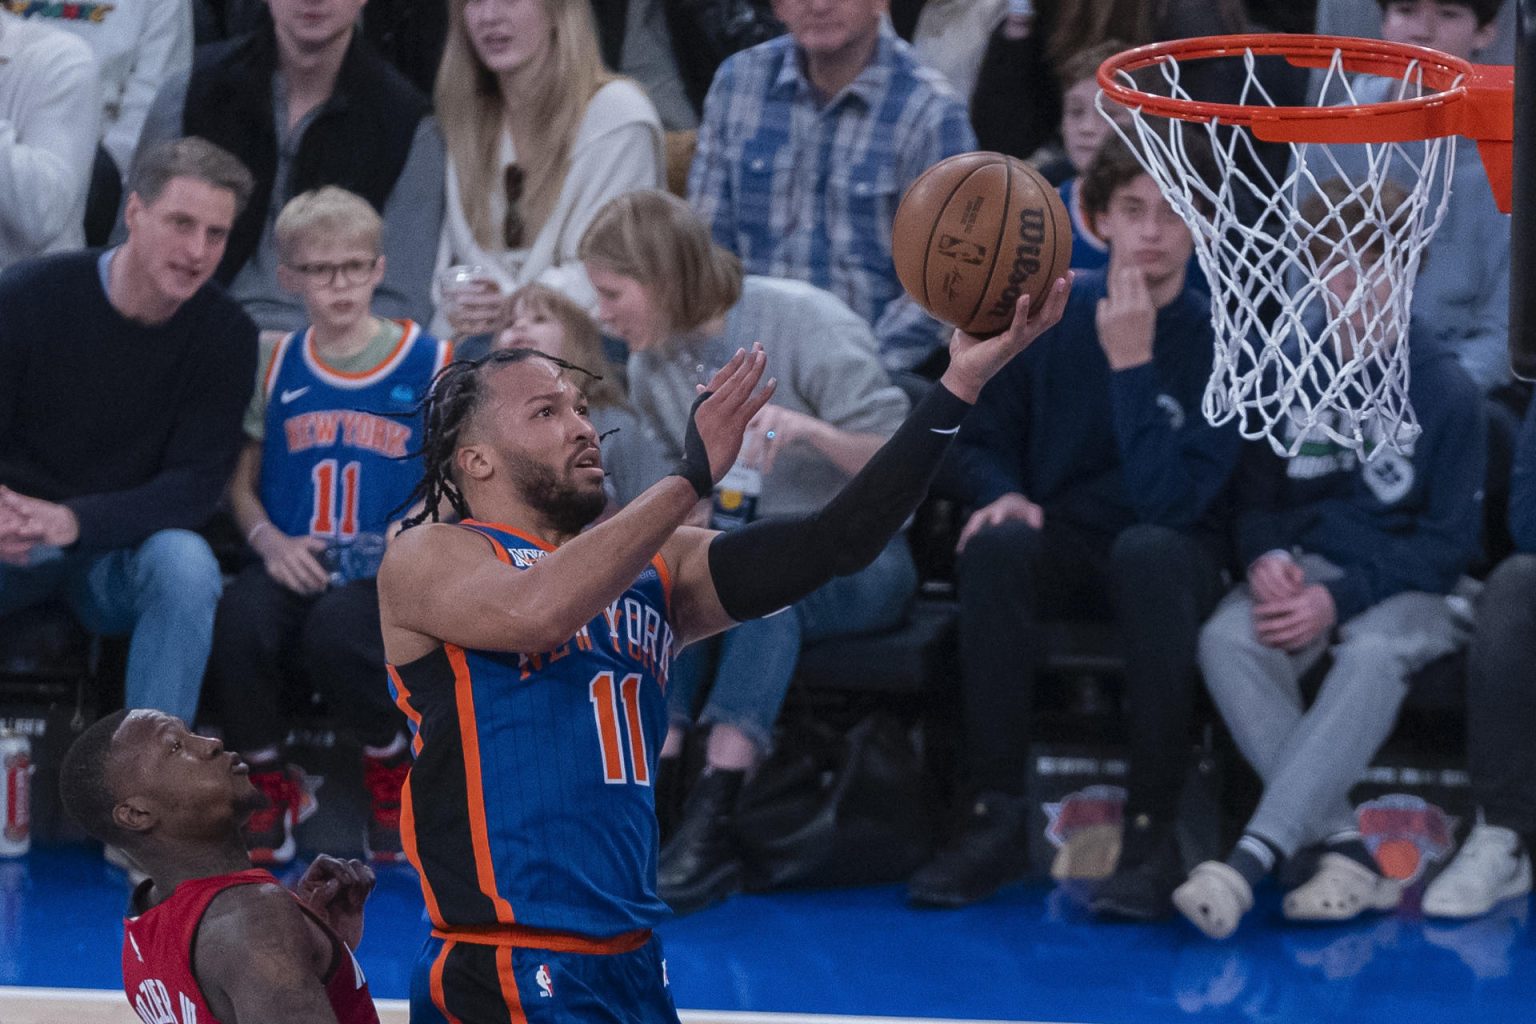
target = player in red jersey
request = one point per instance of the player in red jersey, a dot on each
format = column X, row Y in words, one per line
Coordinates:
column 210, row 938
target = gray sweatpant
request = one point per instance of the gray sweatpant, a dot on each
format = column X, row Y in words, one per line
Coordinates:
column 1309, row 758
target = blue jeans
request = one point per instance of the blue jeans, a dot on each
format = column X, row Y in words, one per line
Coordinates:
column 756, row 660
column 163, row 592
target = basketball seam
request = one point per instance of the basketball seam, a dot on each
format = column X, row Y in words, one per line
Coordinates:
column 997, row 244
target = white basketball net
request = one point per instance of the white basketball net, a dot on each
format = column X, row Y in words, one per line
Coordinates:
column 1293, row 362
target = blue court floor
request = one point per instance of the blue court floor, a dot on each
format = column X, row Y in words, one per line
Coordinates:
column 1029, row 955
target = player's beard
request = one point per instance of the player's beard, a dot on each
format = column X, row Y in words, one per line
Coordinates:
column 569, row 508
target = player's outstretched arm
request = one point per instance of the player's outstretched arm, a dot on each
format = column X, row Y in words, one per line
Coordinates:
column 257, row 957
column 440, row 584
column 721, row 579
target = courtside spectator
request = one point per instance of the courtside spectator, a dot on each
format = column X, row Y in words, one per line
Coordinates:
column 330, row 459
column 138, row 45
column 807, row 144
column 306, row 101
column 682, row 306
column 1347, row 556
column 50, row 110
column 1494, row 863
column 1363, row 20
column 123, row 375
column 1093, row 474
column 540, row 135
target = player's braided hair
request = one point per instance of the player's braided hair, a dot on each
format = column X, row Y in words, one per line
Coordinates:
column 453, row 398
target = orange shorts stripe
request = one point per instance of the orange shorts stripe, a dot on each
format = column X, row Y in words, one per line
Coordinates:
column 509, row 986
column 436, row 979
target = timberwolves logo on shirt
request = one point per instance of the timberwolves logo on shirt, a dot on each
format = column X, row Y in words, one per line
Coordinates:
column 1389, row 476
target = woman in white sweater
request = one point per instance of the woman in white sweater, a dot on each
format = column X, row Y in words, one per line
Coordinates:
column 540, row 135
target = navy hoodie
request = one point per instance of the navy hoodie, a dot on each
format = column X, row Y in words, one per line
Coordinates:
column 1522, row 486
column 1395, row 523
column 1097, row 448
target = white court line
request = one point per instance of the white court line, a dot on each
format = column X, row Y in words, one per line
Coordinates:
column 95, row 1006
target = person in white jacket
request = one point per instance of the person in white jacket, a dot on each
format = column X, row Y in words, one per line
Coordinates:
column 540, row 136
column 138, row 44
column 50, row 115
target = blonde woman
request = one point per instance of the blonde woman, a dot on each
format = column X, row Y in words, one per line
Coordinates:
column 682, row 306
column 539, row 136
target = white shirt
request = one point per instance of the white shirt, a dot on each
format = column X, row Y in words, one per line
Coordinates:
column 138, row 44
column 49, row 120
column 617, row 149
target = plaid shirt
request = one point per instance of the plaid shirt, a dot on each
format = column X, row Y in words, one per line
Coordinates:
column 808, row 190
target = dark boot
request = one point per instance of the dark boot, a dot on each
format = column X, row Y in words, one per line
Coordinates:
column 669, row 796
column 990, row 851
column 1141, row 889
column 699, row 865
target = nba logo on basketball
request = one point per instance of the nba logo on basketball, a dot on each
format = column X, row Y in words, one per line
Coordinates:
column 961, row 249
column 546, row 985
column 1405, row 834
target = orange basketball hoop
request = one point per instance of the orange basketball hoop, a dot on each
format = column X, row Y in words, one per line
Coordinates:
column 1301, row 355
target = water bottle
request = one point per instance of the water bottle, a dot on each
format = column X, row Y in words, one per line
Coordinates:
column 735, row 500
column 15, row 793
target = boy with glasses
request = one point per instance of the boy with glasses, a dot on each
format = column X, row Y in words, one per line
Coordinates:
column 326, row 466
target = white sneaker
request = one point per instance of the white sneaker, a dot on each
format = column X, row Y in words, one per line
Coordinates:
column 1341, row 890
column 1214, row 899
column 1490, row 867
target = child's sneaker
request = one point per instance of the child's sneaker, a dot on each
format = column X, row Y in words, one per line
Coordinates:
column 384, row 778
column 290, row 801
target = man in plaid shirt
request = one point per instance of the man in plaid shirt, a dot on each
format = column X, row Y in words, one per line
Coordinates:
column 807, row 145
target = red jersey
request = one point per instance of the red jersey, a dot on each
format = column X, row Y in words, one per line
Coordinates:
column 157, row 956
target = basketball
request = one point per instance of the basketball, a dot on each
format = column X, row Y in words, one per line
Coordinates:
column 976, row 231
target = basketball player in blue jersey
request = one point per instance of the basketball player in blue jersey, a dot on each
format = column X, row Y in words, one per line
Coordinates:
column 530, row 655
column 327, row 464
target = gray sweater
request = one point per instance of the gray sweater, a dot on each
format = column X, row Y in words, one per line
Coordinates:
column 827, row 363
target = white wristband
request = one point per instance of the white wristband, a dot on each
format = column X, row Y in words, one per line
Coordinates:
column 250, row 538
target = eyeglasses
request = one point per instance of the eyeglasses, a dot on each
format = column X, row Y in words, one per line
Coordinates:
column 512, row 226
column 325, row 274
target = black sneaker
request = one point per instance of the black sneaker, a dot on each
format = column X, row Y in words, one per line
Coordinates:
column 990, row 851
column 699, row 865
column 1141, row 889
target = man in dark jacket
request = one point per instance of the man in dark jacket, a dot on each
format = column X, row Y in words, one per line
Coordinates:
column 123, row 378
column 304, row 101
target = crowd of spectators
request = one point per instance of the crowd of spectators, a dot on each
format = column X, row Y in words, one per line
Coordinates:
column 319, row 203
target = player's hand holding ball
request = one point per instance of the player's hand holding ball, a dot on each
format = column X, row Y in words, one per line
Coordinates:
column 973, row 361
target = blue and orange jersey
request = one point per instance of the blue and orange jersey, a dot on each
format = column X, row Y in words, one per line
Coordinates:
column 530, row 804
column 337, row 458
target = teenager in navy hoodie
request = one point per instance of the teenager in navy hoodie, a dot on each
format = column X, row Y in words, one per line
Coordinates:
column 1345, row 555
column 1092, row 471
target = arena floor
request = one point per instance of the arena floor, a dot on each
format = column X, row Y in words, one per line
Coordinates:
column 809, row 958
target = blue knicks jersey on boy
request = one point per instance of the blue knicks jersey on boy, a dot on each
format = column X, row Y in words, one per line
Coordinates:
column 530, row 799
column 335, row 459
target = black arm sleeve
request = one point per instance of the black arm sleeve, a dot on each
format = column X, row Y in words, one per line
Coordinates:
column 774, row 562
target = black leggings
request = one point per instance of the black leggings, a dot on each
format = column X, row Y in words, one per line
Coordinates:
column 265, row 634
column 1501, row 697
column 1157, row 584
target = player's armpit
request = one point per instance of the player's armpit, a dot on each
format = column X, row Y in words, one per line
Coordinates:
column 695, row 611
column 444, row 584
column 257, row 957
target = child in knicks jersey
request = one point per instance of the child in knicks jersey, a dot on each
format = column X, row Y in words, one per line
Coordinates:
column 328, row 463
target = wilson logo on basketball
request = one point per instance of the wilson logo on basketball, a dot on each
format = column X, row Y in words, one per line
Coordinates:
column 1026, row 258
column 960, row 249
